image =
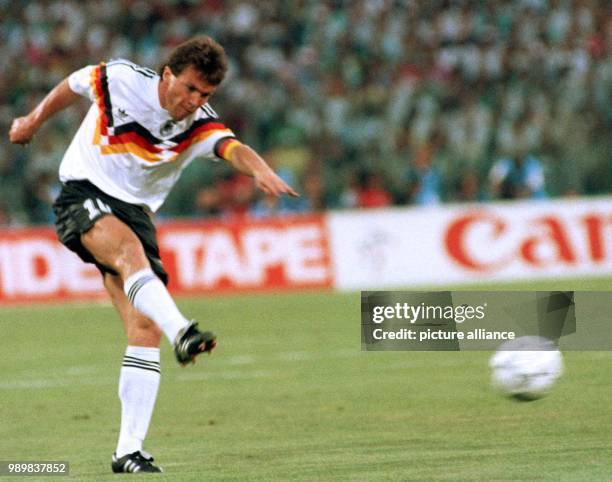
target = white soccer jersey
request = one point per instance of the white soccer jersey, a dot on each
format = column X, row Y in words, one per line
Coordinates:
column 128, row 145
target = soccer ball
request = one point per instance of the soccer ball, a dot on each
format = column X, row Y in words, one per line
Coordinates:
column 526, row 368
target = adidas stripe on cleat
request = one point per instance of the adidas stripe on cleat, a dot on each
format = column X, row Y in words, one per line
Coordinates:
column 139, row 461
column 190, row 342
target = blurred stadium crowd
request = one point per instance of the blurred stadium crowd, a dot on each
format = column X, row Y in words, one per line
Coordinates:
column 358, row 103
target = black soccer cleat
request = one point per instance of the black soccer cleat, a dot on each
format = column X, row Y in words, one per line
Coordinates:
column 139, row 461
column 190, row 342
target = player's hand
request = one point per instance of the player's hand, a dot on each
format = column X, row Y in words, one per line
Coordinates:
column 22, row 130
column 270, row 183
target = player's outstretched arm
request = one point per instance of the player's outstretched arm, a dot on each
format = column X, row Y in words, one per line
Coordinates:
column 23, row 128
column 247, row 161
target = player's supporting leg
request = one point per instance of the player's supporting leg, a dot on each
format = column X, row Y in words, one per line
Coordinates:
column 115, row 245
column 138, row 381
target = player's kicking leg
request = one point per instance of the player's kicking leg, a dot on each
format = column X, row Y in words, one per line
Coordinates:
column 114, row 244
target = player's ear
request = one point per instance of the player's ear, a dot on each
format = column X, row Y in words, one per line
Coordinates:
column 166, row 73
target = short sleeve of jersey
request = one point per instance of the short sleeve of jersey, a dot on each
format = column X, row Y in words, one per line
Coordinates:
column 80, row 82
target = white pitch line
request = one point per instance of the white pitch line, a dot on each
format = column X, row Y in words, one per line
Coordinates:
column 53, row 383
column 225, row 375
column 295, row 356
column 79, row 370
column 238, row 360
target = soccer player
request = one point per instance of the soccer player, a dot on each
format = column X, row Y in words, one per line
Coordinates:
column 141, row 131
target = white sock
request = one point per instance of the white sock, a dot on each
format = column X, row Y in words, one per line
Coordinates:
column 149, row 295
column 138, row 384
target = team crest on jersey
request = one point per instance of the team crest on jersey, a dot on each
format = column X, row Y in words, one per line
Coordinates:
column 167, row 128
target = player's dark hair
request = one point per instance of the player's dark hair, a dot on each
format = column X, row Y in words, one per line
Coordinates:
column 206, row 56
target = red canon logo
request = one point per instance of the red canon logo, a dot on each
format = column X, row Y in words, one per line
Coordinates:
column 586, row 237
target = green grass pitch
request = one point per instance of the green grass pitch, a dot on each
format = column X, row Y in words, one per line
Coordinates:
column 288, row 395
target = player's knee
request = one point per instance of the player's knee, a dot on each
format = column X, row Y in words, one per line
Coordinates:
column 129, row 256
column 129, row 246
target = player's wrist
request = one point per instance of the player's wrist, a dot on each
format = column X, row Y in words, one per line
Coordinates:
column 35, row 119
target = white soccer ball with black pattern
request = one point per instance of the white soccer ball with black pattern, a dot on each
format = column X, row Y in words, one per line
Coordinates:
column 526, row 368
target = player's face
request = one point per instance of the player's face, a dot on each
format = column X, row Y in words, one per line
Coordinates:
column 181, row 95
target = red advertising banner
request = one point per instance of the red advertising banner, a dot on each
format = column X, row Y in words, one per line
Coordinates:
column 200, row 257
column 34, row 266
column 274, row 253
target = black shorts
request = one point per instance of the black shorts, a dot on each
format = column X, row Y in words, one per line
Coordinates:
column 78, row 207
